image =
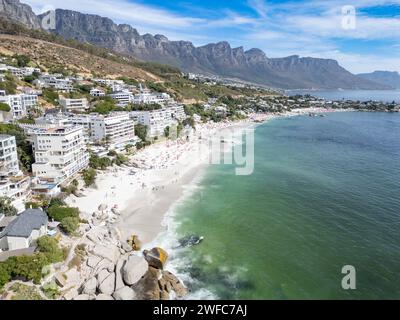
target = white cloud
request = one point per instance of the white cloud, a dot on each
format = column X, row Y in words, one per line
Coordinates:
column 121, row 11
column 259, row 6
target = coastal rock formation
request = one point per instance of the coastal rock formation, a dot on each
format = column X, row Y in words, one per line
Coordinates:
column 90, row 286
column 134, row 269
column 110, row 253
column 107, row 286
column 108, row 274
column 156, row 257
column 124, row 293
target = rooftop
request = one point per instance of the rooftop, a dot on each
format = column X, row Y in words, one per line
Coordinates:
column 25, row 223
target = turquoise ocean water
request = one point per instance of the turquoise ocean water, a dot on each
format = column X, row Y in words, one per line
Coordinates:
column 325, row 193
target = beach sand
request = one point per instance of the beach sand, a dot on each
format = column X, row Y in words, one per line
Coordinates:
column 164, row 171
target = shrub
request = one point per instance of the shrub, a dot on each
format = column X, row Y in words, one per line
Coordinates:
column 49, row 246
column 70, row 224
column 4, row 107
column 58, row 213
column 5, row 275
column 6, row 207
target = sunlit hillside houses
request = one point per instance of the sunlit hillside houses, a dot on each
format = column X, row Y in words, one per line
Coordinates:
column 20, row 104
column 95, row 92
column 13, row 184
column 122, row 98
column 19, row 72
column 55, row 81
column 80, row 104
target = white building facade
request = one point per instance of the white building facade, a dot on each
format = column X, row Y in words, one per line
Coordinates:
column 60, row 152
column 74, row 104
column 116, row 129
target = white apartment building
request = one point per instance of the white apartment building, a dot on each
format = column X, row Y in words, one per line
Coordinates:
column 56, row 82
column 74, row 104
column 123, row 98
column 109, row 82
column 117, row 129
column 20, row 104
column 97, row 93
column 8, row 156
column 13, row 184
column 178, row 112
column 150, row 98
column 60, row 152
column 155, row 120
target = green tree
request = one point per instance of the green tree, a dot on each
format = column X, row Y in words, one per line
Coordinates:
column 89, row 176
column 6, row 207
column 141, row 131
column 51, row 96
column 4, row 107
column 22, row 60
column 166, row 131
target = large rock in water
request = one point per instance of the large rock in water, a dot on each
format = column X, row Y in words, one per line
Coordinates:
column 156, row 257
column 134, row 269
column 147, row 288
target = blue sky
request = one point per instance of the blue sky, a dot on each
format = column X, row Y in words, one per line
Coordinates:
column 314, row 28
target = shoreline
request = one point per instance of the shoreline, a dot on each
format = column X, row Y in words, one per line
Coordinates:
column 138, row 204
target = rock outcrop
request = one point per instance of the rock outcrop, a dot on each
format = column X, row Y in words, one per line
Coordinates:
column 17, row 11
column 134, row 269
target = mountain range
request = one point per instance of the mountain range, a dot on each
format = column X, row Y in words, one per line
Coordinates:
column 220, row 58
column 389, row 78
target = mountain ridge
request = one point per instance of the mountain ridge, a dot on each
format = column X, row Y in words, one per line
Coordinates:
column 390, row 78
column 219, row 58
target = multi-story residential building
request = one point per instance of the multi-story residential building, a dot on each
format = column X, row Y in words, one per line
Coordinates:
column 123, row 98
column 8, row 156
column 60, row 152
column 55, row 81
column 97, row 93
column 20, row 104
column 108, row 82
column 13, row 184
column 116, row 129
column 155, row 120
column 150, row 98
column 74, row 104
column 177, row 112
column 22, row 72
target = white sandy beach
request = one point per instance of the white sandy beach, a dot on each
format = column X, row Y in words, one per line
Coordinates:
column 164, row 170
